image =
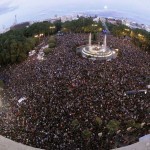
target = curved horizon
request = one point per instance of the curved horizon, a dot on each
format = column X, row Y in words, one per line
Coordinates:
column 25, row 11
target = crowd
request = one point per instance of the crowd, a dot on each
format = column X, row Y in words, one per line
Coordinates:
column 65, row 87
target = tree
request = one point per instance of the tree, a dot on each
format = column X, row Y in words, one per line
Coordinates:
column 47, row 51
column 113, row 125
column 52, row 42
column 86, row 134
column 52, row 39
column 52, row 45
column 1, row 84
column 75, row 123
column 132, row 123
column 80, row 25
column 58, row 25
column 21, row 57
column 94, row 37
column 98, row 121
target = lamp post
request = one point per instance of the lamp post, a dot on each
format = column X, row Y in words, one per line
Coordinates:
column 52, row 28
column 100, row 29
column 141, row 37
column 39, row 35
column 94, row 25
column 127, row 29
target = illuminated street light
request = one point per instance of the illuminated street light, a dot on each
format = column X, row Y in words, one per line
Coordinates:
column 94, row 25
column 52, row 27
column 140, row 35
column 36, row 36
column 127, row 29
column 100, row 29
column 41, row 34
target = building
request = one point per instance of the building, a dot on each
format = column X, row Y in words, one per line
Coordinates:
column 111, row 20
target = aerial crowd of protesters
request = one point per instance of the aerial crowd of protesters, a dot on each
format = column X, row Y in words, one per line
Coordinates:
column 65, row 93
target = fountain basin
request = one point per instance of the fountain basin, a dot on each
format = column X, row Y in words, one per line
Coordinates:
column 96, row 52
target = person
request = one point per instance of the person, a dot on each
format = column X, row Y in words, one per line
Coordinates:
column 66, row 87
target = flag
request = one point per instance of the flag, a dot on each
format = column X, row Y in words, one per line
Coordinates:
column 104, row 31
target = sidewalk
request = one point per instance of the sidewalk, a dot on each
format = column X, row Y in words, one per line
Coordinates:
column 6, row 144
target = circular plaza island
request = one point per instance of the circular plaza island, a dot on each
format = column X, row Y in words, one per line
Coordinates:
column 97, row 51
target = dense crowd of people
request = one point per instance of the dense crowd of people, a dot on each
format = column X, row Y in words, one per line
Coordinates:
column 65, row 88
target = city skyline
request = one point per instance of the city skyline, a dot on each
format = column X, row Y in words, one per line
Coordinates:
column 27, row 11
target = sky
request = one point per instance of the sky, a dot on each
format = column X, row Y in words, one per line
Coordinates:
column 28, row 10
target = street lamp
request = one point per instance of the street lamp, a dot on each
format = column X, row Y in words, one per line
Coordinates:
column 127, row 29
column 140, row 35
column 36, row 36
column 123, row 33
column 39, row 35
column 100, row 29
column 52, row 28
column 94, row 25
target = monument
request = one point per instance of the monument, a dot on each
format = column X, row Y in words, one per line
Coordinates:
column 97, row 51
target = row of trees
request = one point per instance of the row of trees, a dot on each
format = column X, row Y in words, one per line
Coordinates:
column 139, row 37
column 1, row 84
column 15, row 44
column 113, row 126
column 51, row 43
column 45, row 28
column 14, row 47
column 85, row 25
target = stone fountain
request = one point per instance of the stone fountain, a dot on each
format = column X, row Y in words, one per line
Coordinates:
column 97, row 51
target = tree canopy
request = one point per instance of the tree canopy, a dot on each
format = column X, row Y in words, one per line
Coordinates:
column 139, row 37
column 82, row 25
column 15, row 44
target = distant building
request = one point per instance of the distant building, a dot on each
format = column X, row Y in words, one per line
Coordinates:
column 126, row 22
column 147, row 28
column 97, row 19
column 53, row 20
column 114, row 21
column 119, row 21
column 111, row 20
column 68, row 18
column 135, row 25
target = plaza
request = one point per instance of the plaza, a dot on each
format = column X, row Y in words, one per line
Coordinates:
column 97, row 51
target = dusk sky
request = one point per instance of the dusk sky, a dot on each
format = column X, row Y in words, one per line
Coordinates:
column 41, row 9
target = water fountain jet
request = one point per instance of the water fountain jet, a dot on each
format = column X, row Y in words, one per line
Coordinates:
column 97, row 51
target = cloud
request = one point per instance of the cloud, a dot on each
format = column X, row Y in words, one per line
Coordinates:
column 6, row 6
